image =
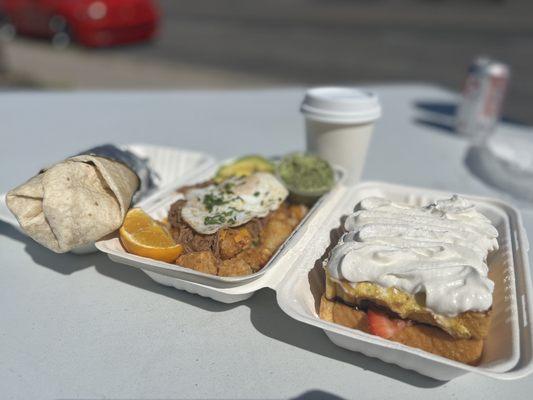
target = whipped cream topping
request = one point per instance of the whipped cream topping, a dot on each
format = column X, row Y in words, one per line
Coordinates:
column 439, row 250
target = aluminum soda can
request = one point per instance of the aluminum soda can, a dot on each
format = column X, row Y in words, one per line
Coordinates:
column 483, row 94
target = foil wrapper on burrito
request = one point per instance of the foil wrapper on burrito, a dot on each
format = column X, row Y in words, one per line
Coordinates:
column 81, row 199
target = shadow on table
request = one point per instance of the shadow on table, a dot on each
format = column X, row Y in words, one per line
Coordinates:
column 64, row 264
column 69, row 263
column 437, row 115
column 265, row 314
column 135, row 277
column 271, row 321
column 317, row 395
column 441, row 116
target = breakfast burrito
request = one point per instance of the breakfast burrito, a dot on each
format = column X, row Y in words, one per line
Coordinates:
column 74, row 202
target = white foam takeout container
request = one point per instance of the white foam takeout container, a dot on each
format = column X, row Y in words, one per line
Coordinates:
column 296, row 276
column 508, row 347
column 223, row 289
column 169, row 164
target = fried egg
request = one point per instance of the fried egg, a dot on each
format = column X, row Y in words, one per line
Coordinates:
column 233, row 202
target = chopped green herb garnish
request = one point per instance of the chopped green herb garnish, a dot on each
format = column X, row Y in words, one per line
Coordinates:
column 215, row 219
column 221, row 217
column 210, row 201
column 256, row 194
column 228, row 187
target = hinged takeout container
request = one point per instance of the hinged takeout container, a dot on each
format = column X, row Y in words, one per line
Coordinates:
column 296, row 276
column 508, row 347
column 224, row 289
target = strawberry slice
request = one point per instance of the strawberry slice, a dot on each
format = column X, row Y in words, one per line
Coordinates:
column 381, row 325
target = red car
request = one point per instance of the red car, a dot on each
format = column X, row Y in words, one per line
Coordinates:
column 93, row 23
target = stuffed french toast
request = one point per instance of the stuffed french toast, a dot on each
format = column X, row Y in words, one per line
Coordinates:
column 414, row 275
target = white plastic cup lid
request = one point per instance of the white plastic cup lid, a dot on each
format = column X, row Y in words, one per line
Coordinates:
column 341, row 105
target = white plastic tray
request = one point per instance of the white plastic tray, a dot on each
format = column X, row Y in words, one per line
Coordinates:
column 508, row 348
column 170, row 164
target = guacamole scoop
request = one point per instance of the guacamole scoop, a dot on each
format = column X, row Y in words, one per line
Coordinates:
column 306, row 174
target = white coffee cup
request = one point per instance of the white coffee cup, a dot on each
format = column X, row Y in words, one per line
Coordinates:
column 339, row 124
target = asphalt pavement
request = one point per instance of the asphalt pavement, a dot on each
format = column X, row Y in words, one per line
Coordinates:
column 350, row 41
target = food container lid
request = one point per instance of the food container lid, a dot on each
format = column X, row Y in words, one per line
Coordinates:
column 341, row 105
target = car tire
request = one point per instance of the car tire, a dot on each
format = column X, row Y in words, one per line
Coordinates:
column 61, row 40
column 7, row 29
column 61, row 37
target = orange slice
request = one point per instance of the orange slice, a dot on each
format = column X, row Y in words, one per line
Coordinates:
column 146, row 237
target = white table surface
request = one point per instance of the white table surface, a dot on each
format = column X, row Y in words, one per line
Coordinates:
column 85, row 327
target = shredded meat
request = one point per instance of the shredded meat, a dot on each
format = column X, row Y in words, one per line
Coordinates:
column 220, row 243
column 184, row 189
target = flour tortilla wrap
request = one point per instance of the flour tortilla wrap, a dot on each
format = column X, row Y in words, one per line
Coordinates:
column 74, row 202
